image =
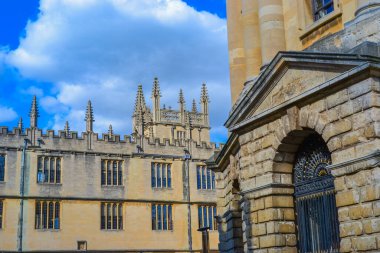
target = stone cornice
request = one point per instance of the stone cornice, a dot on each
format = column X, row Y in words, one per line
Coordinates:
column 355, row 165
column 99, row 199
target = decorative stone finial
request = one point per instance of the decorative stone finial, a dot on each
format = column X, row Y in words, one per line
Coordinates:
column 20, row 125
column 34, row 113
column 181, row 99
column 156, row 88
column 140, row 101
column 67, row 129
column 204, row 94
column 110, row 131
column 89, row 117
column 194, row 106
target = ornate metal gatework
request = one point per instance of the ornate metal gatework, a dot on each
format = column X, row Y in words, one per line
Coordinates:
column 317, row 218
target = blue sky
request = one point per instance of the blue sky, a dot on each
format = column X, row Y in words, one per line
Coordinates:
column 68, row 51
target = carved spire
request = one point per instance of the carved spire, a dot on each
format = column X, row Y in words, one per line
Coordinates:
column 34, row 113
column 140, row 105
column 89, row 117
column 204, row 94
column 194, row 106
column 67, row 129
column 204, row 104
column 181, row 99
column 156, row 88
column 156, row 94
column 110, row 131
column 20, row 125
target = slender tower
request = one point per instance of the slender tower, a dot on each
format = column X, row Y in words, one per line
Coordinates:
column 34, row 113
column 204, row 105
column 67, row 129
column 181, row 101
column 156, row 95
column 139, row 111
column 89, row 117
column 110, row 132
column 20, row 125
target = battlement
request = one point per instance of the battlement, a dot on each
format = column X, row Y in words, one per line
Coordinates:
column 105, row 143
column 157, row 131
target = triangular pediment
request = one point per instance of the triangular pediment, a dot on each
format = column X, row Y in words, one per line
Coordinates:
column 293, row 82
column 289, row 75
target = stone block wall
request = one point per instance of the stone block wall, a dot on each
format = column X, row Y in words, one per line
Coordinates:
column 358, row 192
column 348, row 121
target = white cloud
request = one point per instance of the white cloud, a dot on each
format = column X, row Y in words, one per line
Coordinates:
column 7, row 114
column 101, row 50
column 33, row 90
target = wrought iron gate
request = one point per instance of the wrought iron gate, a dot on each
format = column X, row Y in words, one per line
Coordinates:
column 317, row 218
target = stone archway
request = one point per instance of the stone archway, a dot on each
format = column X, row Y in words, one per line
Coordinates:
column 315, row 204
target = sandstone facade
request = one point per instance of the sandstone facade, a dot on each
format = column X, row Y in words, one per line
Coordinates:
column 334, row 95
column 81, row 193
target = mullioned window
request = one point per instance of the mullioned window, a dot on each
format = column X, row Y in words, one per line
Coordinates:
column 162, row 218
column 49, row 169
column 111, row 172
column 161, row 175
column 206, row 217
column 47, row 215
column 2, row 168
column 205, row 178
column 111, row 216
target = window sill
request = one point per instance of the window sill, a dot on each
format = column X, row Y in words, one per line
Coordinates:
column 112, row 186
column 2, row 182
column 47, row 230
column 163, row 231
column 206, row 190
column 50, row 184
column 320, row 22
column 162, row 189
column 112, row 230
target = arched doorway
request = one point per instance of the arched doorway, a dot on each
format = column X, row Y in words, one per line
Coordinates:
column 316, row 212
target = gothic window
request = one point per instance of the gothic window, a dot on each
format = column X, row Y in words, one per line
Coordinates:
column 111, row 172
column 1, row 213
column 205, row 178
column 322, row 7
column 317, row 218
column 49, row 169
column 47, row 215
column 111, row 216
column 2, row 168
column 162, row 217
column 161, row 175
column 206, row 217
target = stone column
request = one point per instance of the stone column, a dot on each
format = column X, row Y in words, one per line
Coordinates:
column 364, row 6
column 235, row 48
column 271, row 19
column 251, row 31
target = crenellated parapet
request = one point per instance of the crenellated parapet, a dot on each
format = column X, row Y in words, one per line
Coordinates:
column 161, row 131
column 90, row 142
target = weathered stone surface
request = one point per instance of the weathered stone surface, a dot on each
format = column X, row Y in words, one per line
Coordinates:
column 364, row 243
column 336, row 128
column 347, row 198
column 351, row 229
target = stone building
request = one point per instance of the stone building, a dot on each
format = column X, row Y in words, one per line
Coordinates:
column 146, row 192
column 300, row 171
